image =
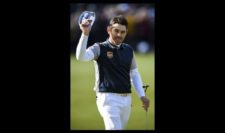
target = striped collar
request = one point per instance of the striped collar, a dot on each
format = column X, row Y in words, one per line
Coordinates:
column 114, row 46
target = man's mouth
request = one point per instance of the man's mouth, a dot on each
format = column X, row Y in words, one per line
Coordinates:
column 118, row 38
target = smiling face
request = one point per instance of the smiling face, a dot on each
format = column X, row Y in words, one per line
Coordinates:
column 117, row 33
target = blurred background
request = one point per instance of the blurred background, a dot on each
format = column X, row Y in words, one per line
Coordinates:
column 141, row 18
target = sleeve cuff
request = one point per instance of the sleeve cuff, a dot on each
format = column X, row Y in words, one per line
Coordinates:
column 84, row 36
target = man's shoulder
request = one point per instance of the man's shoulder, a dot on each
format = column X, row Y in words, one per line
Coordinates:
column 100, row 43
column 125, row 45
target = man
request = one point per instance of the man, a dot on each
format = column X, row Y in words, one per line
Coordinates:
column 115, row 70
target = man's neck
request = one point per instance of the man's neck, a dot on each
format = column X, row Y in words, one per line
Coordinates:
column 117, row 45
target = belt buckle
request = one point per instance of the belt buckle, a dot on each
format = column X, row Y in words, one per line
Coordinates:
column 124, row 94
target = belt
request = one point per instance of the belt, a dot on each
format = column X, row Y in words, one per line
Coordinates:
column 118, row 94
column 122, row 94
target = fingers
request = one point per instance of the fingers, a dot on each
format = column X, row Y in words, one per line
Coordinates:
column 85, row 23
column 145, row 108
column 85, row 27
column 146, row 105
column 145, row 102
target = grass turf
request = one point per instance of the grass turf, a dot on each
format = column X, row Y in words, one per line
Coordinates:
column 84, row 114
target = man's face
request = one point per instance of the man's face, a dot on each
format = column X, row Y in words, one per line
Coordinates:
column 117, row 33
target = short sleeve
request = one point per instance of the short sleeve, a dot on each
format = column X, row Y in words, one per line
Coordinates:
column 133, row 64
column 95, row 49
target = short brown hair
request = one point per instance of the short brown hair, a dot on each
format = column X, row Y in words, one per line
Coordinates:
column 120, row 19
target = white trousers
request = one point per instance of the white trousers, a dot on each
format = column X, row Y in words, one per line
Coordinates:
column 114, row 109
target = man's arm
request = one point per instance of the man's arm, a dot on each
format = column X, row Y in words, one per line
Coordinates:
column 81, row 53
column 137, row 83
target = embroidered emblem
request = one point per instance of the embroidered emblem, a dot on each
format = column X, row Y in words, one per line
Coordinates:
column 110, row 55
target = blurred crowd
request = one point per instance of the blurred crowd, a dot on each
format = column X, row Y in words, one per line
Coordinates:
column 141, row 18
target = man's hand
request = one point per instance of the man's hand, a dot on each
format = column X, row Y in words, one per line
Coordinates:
column 85, row 26
column 145, row 103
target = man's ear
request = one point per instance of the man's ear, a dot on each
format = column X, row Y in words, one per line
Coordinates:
column 108, row 29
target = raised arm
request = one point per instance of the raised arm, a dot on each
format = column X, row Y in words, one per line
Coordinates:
column 83, row 54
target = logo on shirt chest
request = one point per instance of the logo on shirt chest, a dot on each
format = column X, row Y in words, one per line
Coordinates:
column 110, row 54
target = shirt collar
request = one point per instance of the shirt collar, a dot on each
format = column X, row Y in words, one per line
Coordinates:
column 114, row 46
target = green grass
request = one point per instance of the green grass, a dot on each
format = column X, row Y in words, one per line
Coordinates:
column 84, row 113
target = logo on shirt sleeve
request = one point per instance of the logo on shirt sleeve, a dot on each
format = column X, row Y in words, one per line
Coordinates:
column 110, row 54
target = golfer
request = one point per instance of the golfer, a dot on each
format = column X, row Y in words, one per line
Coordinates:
column 115, row 71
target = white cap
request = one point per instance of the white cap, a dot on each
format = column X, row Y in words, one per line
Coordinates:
column 87, row 15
